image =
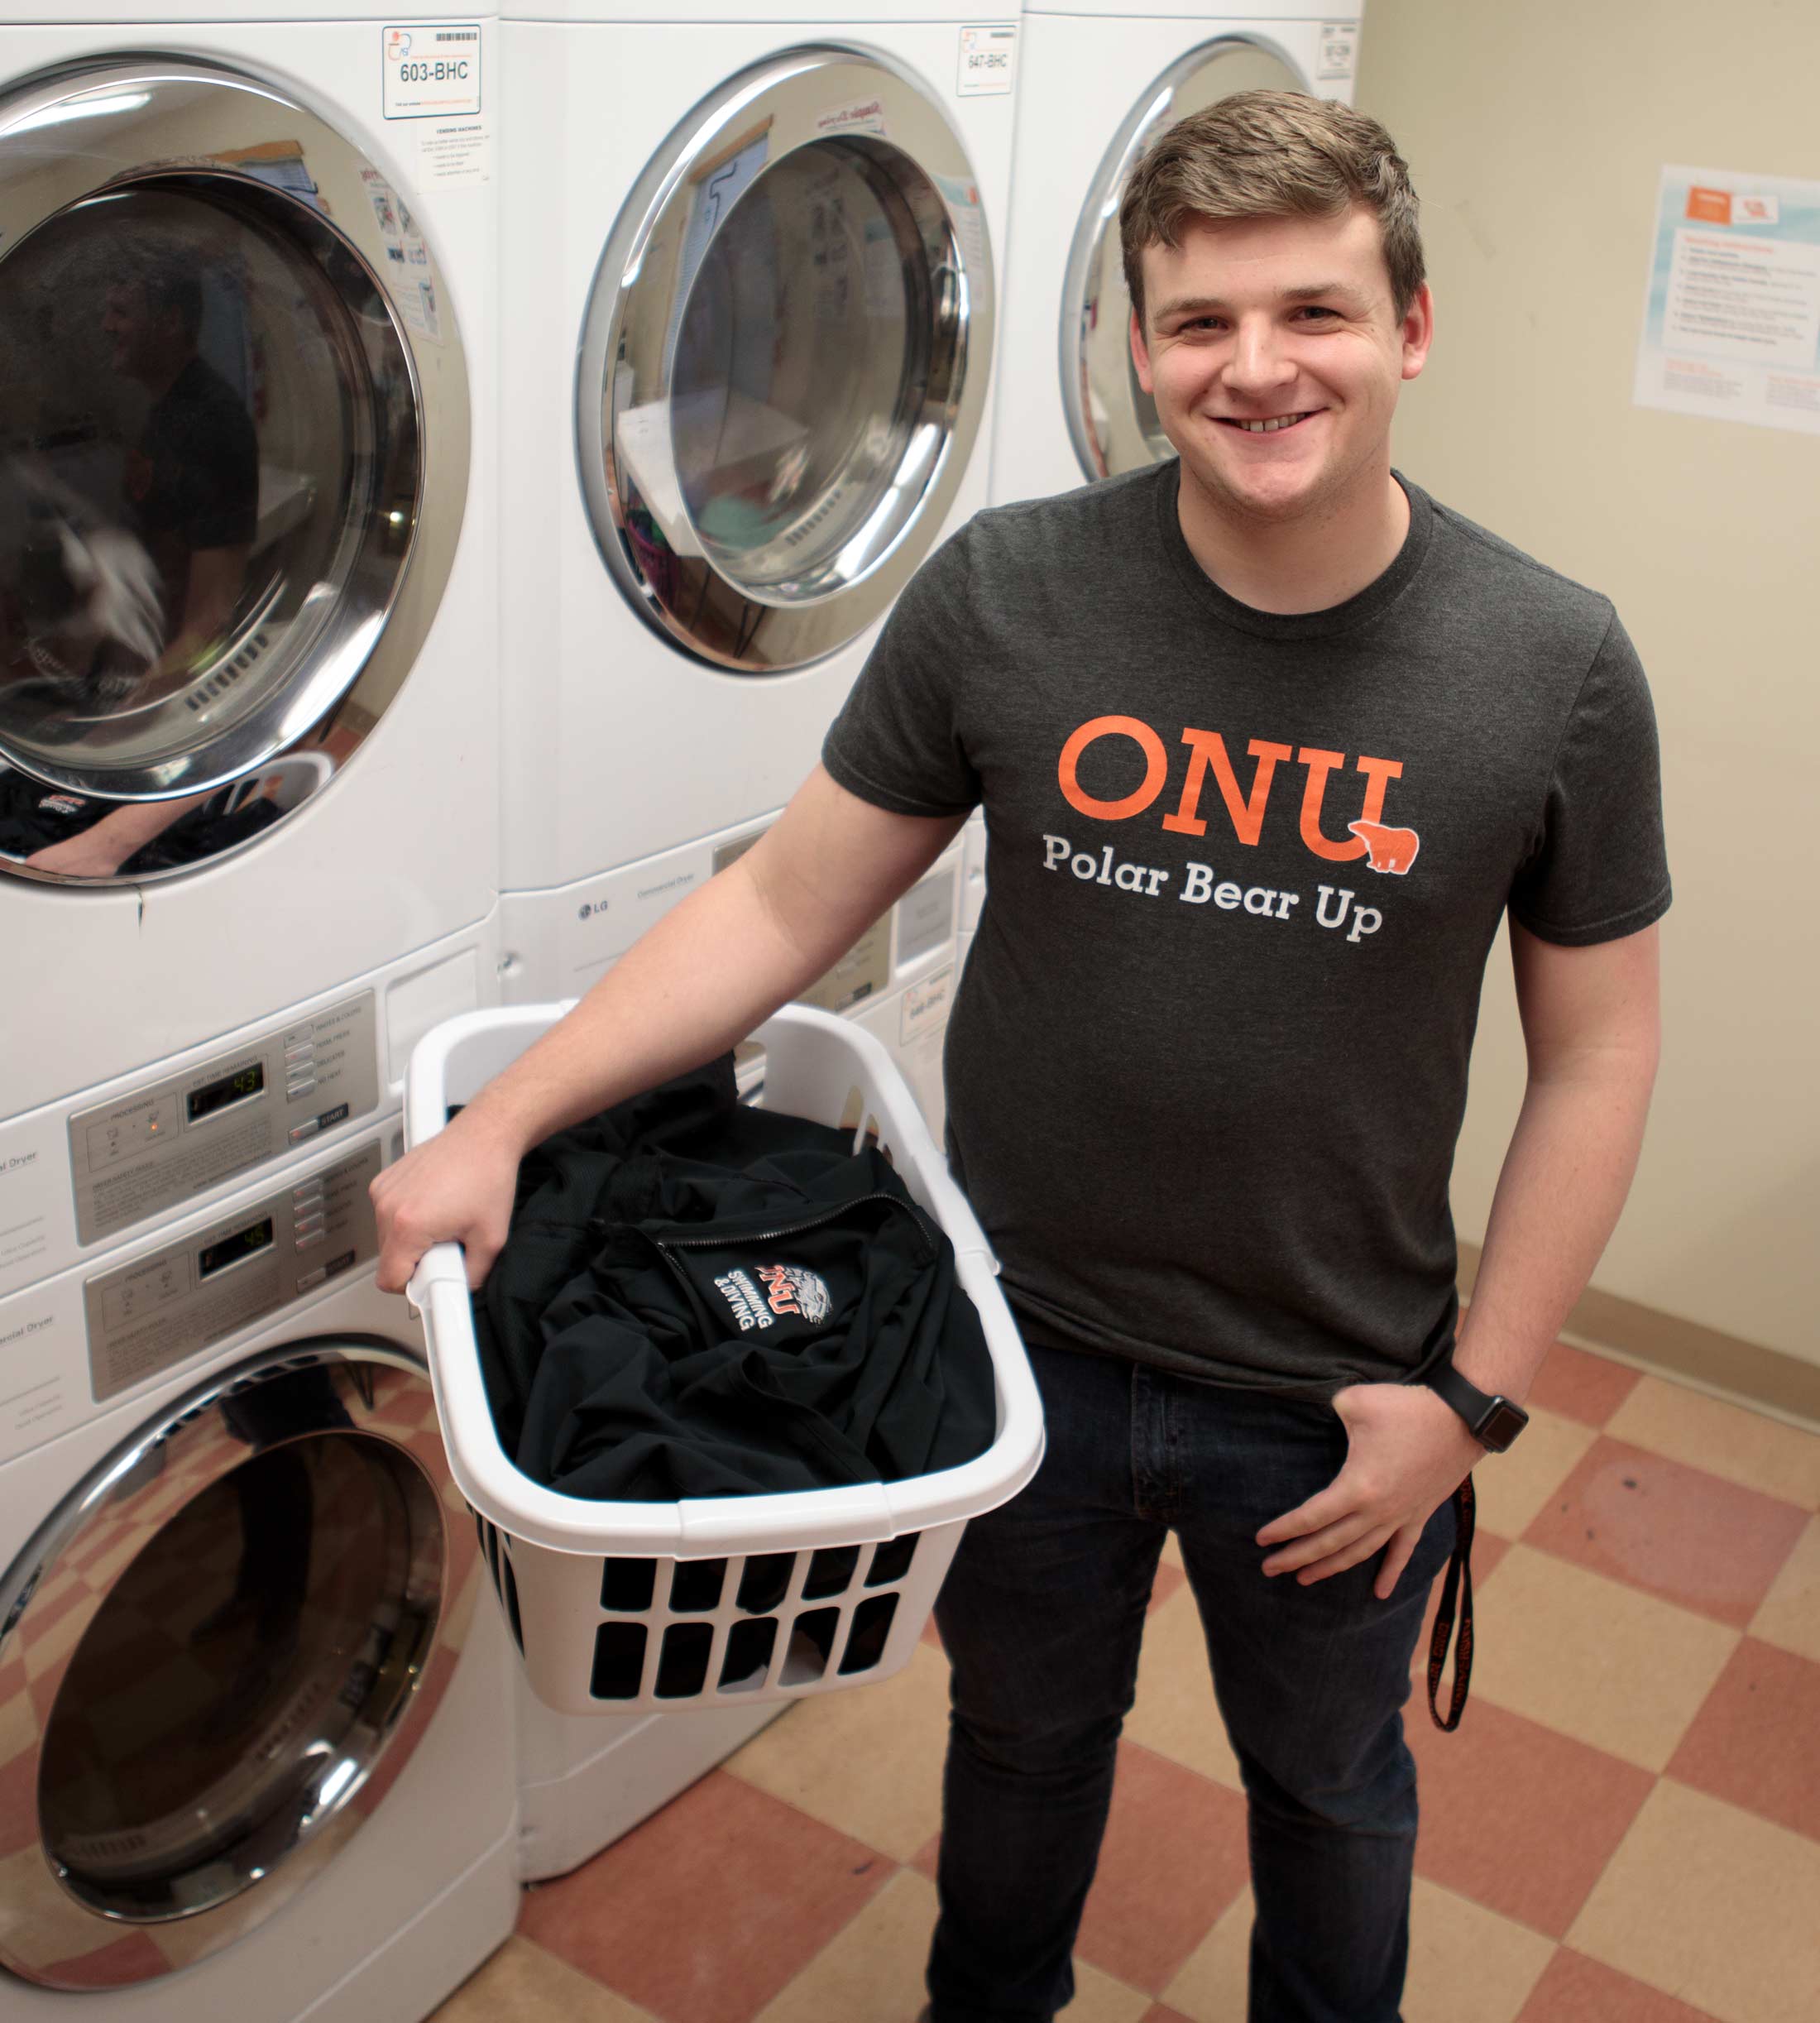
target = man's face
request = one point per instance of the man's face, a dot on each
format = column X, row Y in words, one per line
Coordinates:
column 127, row 322
column 1287, row 321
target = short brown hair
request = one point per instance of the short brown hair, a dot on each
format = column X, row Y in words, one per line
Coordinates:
column 1271, row 154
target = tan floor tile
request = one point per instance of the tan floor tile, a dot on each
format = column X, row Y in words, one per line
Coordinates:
column 874, row 1970
column 1467, row 1964
column 1594, row 1658
column 1790, row 1615
column 1099, row 1998
column 1724, row 1440
column 18, row 1726
column 1711, row 1906
column 1174, row 1712
column 1513, row 1488
column 525, row 1983
column 868, row 1761
column 1212, row 1985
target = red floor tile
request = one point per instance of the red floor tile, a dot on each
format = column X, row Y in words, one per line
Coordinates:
column 1671, row 1530
column 1583, row 1387
column 1517, row 1817
column 1756, row 1741
column 1168, row 1580
column 650, row 1917
column 923, row 1861
column 133, row 1959
column 1158, row 2012
column 1173, row 1859
column 1574, row 1989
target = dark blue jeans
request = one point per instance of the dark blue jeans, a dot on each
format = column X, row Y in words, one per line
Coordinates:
column 1041, row 1615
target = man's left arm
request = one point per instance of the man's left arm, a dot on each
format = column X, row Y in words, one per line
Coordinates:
column 1591, row 1027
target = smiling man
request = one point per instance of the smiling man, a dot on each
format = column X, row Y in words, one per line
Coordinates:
column 1270, row 744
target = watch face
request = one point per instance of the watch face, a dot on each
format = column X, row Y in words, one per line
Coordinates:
column 1501, row 1425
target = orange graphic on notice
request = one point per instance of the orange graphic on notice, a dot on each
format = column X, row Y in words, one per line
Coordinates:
column 1391, row 849
column 1710, row 207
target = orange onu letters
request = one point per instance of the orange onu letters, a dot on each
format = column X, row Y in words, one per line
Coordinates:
column 1207, row 753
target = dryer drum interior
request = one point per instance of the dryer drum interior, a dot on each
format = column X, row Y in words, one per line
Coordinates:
column 215, row 435
column 783, row 365
column 255, row 1596
column 1112, row 421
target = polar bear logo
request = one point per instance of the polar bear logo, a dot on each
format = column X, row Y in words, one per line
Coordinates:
column 1391, row 849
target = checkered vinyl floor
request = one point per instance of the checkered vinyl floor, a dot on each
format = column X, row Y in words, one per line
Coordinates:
column 1625, row 1828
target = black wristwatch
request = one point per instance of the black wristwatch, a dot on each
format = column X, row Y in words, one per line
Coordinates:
column 1493, row 1421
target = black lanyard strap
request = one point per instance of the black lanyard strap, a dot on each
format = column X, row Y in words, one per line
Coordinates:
column 1458, row 1588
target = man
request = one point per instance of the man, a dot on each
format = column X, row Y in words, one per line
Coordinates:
column 1268, row 742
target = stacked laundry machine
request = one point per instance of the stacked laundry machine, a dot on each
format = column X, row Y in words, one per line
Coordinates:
column 255, row 1756
column 753, row 394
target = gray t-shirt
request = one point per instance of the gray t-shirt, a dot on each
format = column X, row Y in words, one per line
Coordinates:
column 1208, row 1060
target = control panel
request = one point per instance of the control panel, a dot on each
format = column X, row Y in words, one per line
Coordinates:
column 148, row 1316
column 165, row 1141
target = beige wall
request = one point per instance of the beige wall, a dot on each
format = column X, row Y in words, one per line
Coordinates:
column 1535, row 132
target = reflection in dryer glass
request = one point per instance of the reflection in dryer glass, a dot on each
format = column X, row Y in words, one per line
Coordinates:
column 802, row 362
column 185, row 461
column 244, row 1672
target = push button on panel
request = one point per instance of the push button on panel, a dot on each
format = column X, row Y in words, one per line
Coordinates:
column 310, row 1242
column 310, row 1280
column 307, row 1128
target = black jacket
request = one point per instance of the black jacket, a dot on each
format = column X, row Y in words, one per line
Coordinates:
column 701, row 1299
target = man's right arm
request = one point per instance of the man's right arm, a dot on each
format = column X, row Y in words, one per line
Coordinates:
column 711, row 971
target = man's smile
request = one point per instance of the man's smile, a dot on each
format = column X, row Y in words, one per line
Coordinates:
column 1271, row 424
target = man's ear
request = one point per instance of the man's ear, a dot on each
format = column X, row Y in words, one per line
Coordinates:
column 1140, row 353
column 1418, row 332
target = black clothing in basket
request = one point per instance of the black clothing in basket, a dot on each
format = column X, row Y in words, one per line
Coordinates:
column 698, row 1298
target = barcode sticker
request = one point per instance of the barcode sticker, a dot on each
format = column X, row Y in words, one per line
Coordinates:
column 430, row 71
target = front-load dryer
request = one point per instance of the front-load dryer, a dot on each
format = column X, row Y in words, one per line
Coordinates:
column 256, row 1759
column 1101, row 80
column 751, row 254
column 248, row 594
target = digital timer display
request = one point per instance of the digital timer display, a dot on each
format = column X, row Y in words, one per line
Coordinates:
column 245, row 1242
column 238, row 1088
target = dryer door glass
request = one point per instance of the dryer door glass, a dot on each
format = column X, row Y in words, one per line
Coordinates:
column 1111, row 419
column 199, row 448
column 803, row 367
column 258, row 1588
column 784, row 367
column 225, row 364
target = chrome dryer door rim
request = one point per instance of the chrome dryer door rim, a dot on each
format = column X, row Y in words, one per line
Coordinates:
column 811, row 576
column 193, row 1859
column 307, row 662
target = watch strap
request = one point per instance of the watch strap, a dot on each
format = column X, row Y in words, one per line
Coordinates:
column 1491, row 1419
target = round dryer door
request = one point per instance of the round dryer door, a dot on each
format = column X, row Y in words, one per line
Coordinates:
column 1111, row 419
column 783, row 365
column 228, row 376
column 230, row 1638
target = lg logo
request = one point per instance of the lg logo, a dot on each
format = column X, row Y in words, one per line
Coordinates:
column 589, row 907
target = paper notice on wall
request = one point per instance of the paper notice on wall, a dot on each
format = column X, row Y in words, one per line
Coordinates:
column 1732, row 317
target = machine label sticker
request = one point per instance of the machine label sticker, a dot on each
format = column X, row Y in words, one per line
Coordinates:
column 988, row 62
column 430, row 71
column 926, row 1005
column 1339, row 49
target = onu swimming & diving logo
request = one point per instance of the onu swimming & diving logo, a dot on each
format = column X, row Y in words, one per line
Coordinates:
column 789, row 1289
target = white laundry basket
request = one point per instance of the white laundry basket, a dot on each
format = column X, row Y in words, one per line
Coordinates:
column 620, row 1608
